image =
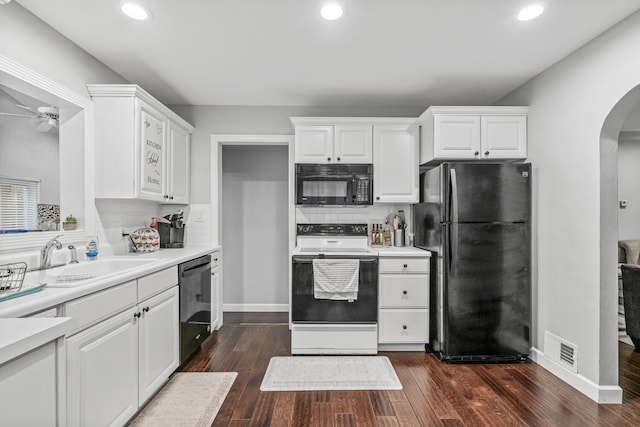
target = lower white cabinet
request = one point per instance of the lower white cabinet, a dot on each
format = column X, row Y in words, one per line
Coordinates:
column 102, row 372
column 403, row 303
column 159, row 353
column 29, row 389
column 117, row 364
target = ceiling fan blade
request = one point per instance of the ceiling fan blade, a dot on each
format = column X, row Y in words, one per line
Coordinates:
column 26, row 108
column 19, row 115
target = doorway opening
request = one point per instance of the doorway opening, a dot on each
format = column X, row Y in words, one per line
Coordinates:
column 251, row 190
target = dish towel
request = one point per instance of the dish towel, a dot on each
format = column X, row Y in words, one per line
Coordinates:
column 336, row 279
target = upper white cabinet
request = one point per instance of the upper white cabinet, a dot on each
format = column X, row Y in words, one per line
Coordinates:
column 141, row 146
column 470, row 133
column 178, row 164
column 395, row 163
column 322, row 140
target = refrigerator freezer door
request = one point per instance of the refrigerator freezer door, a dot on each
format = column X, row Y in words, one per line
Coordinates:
column 488, row 192
column 487, row 309
column 426, row 227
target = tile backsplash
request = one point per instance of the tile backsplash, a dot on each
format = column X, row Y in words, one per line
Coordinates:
column 116, row 216
column 375, row 214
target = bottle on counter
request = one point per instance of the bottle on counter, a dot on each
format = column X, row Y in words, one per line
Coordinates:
column 387, row 236
column 91, row 248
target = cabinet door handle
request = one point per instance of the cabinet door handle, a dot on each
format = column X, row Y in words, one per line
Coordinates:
column 404, row 292
column 405, row 266
column 377, row 197
column 328, row 159
column 215, row 259
column 166, row 196
column 146, row 309
column 476, row 153
column 170, row 197
column 486, row 153
column 338, row 158
column 404, row 327
column 137, row 314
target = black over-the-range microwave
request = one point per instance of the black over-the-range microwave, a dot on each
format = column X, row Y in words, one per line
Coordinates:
column 334, row 184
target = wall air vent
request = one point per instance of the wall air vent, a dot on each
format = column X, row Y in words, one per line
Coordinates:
column 561, row 351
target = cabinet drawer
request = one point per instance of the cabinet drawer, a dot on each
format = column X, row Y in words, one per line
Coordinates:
column 216, row 259
column 155, row 283
column 404, row 290
column 404, row 265
column 403, row 326
column 100, row 305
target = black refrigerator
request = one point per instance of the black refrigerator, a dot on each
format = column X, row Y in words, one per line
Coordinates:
column 476, row 220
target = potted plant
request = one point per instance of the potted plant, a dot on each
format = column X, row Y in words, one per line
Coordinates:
column 70, row 223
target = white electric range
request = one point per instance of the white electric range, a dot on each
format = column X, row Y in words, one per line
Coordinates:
column 329, row 326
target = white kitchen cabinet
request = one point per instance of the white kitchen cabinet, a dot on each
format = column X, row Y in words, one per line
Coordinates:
column 333, row 144
column 158, row 349
column 403, row 303
column 178, row 164
column 126, row 345
column 102, row 372
column 473, row 133
column 216, row 289
column 395, row 163
column 143, row 146
column 32, row 372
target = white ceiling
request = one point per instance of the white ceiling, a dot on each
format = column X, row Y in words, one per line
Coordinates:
column 281, row 52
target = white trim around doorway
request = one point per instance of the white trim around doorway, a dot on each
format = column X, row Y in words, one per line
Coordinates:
column 217, row 142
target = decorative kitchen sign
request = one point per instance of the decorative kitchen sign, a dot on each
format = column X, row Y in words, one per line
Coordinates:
column 152, row 152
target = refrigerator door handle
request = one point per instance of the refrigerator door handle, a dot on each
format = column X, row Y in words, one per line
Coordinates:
column 454, row 195
column 453, row 248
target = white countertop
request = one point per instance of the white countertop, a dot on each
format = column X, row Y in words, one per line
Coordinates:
column 49, row 297
column 19, row 336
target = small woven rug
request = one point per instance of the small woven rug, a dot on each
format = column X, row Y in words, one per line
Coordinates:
column 298, row 373
column 189, row 399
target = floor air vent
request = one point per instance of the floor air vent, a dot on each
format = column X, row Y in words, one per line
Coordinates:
column 561, row 351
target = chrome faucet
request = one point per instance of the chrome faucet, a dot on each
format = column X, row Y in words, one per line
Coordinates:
column 45, row 252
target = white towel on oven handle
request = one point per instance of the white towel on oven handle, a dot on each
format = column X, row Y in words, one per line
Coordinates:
column 336, row 279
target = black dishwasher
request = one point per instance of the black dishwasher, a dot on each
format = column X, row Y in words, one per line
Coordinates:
column 195, row 304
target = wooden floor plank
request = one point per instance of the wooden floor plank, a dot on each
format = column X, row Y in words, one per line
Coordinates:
column 433, row 393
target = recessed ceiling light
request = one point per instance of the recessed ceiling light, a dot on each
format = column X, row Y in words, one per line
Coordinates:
column 530, row 12
column 331, row 11
column 135, row 11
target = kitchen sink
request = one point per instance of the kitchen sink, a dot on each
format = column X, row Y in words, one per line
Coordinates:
column 76, row 274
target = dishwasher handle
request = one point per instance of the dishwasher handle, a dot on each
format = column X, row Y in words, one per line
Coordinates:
column 197, row 265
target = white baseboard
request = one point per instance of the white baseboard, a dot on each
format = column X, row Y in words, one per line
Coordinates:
column 255, row 307
column 598, row 393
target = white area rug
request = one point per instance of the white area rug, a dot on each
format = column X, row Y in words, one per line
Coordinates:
column 189, row 399
column 330, row 373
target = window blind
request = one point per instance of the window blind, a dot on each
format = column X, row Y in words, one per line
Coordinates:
column 19, row 200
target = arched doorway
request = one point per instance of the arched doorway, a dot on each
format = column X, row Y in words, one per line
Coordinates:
column 609, row 223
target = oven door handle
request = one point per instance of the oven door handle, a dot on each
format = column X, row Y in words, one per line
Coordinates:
column 309, row 260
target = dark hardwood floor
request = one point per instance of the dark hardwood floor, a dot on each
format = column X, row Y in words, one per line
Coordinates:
column 433, row 394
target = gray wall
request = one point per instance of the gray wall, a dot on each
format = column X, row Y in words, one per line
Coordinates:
column 254, row 232
column 574, row 267
column 29, row 41
column 27, row 153
column 255, row 120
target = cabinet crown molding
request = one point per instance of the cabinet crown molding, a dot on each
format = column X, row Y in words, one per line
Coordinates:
column 477, row 110
column 131, row 91
column 297, row 121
